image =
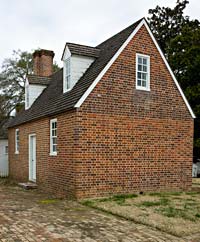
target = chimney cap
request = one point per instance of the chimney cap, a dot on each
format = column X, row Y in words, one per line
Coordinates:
column 43, row 52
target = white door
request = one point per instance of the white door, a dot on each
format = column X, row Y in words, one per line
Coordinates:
column 32, row 157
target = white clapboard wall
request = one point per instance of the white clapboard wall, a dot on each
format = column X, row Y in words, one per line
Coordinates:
column 3, row 158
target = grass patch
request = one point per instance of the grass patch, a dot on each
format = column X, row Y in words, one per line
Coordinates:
column 161, row 202
column 174, row 193
column 190, row 199
column 157, row 194
column 192, row 193
column 190, row 205
column 88, row 203
column 197, row 215
column 165, row 194
column 173, row 212
column 119, row 199
column 169, row 211
column 48, row 201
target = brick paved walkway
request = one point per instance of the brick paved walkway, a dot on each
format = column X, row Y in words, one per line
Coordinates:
column 23, row 217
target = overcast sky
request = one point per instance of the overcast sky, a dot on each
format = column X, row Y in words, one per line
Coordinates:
column 48, row 24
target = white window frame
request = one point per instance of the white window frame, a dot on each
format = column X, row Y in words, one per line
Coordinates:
column 16, row 141
column 147, row 88
column 52, row 152
column 67, row 75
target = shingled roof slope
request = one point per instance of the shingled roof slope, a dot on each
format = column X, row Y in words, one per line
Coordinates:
column 53, row 101
column 83, row 50
column 38, row 80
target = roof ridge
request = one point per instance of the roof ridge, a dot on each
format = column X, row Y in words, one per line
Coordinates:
column 88, row 46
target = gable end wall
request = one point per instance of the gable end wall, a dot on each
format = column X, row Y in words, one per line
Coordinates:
column 133, row 140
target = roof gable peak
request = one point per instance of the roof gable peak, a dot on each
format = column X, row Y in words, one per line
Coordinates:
column 140, row 23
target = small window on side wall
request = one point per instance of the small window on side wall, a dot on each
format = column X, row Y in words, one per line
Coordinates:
column 143, row 72
column 53, row 137
column 17, row 141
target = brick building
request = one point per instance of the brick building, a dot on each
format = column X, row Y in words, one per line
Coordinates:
column 112, row 120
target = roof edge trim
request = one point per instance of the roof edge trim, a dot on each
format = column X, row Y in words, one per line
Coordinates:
column 170, row 70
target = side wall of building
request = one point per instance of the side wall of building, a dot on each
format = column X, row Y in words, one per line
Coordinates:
column 55, row 174
column 132, row 140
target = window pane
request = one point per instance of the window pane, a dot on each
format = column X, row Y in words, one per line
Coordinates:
column 17, row 140
column 145, row 68
column 144, row 76
column 145, row 61
column 54, row 141
column 68, row 82
column 139, row 60
column 144, row 83
column 139, row 82
column 67, row 74
column 139, row 67
column 52, row 125
column 54, row 148
column 53, row 132
column 139, row 75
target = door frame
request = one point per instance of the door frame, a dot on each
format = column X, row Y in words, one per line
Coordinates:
column 30, row 174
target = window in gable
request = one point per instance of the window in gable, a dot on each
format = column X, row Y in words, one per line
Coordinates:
column 67, row 75
column 53, row 137
column 143, row 72
column 17, row 141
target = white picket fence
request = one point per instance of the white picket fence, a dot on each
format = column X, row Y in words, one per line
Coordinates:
column 4, row 171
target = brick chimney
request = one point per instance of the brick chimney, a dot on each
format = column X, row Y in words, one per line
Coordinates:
column 43, row 62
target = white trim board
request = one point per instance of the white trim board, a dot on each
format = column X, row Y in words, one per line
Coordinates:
column 92, row 86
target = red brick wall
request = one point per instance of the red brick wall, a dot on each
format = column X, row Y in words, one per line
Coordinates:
column 54, row 173
column 133, row 140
